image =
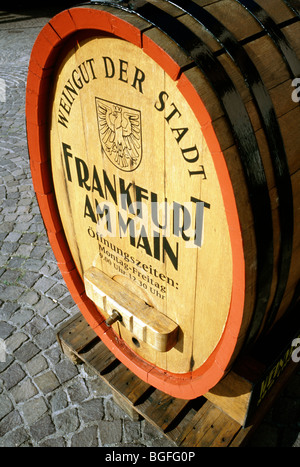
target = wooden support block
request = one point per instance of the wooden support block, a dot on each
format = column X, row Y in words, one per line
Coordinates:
column 70, row 354
column 258, row 376
column 124, row 405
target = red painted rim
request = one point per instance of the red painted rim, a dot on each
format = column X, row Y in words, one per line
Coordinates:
column 48, row 45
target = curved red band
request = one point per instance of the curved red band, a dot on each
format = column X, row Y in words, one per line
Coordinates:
column 47, row 47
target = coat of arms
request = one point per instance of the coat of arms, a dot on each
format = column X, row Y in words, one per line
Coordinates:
column 120, row 134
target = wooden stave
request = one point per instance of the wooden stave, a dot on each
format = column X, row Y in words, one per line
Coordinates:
column 264, row 106
column 54, row 233
column 217, row 115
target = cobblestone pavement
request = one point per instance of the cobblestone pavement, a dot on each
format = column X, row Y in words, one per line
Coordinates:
column 45, row 400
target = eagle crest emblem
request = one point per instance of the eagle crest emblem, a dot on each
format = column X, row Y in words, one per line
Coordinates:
column 120, row 134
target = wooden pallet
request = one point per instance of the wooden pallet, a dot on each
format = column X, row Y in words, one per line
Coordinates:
column 200, row 422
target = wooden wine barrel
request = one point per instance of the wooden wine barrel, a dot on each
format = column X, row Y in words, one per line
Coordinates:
column 164, row 149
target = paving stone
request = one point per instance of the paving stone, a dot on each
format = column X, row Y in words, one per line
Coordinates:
column 78, row 391
column 37, row 227
column 47, row 382
column 16, row 262
column 24, row 391
column 67, row 302
column 25, row 187
column 6, row 405
column 23, row 206
column 21, row 317
column 58, row 400
column 67, row 421
column 16, row 438
column 10, row 276
column 11, row 217
column 53, row 443
column 112, row 410
column 29, row 298
column 33, row 264
column 42, row 428
column 24, row 250
column 29, row 279
column 57, row 316
column 49, row 256
column 53, row 355
column 45, row 305
column 15, row 341
column 48, row 269
column 57, row 291
column 10, row 422
column 6, row 226
column 4, row 259
column 92, row 410
column 66, row 370
column 4, row 365
column 12, row 376
column 25, row 218
column 28, row 237
column 9, row 202
column 38, row 252
column 35, row 326
column 11, row 293
column 22, row 226
column 33, row 410
column 45, row 338
column 26, row 352
column 98, row 386
column 110, row 432
column 44, row 284
column 131, row 432
column 36, row 365
column 6, row 329
column 42, row 238
column 8, row 309
column 160, row 443
column 88, row 437
column 9, row 248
